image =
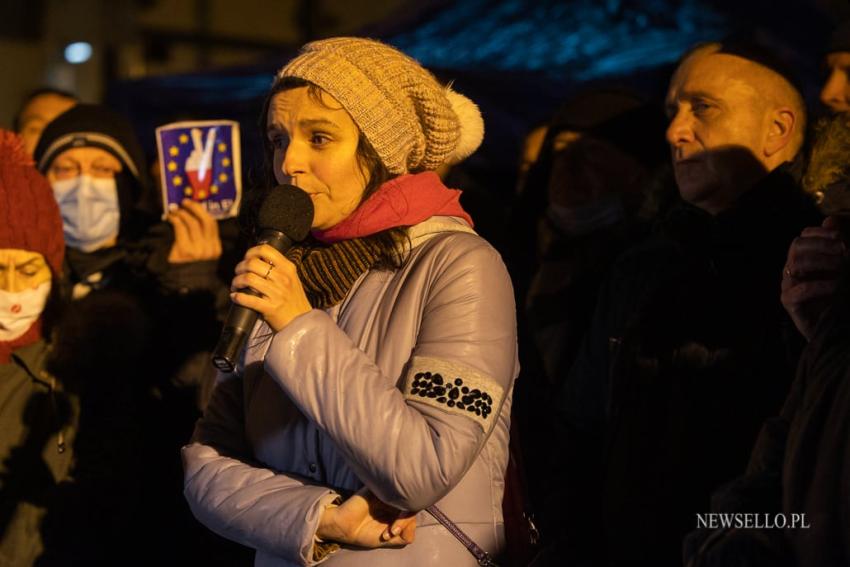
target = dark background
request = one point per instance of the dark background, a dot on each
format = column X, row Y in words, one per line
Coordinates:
column 164, row 60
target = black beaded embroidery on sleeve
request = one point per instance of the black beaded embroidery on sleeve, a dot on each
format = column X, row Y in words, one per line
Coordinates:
column 452, row 393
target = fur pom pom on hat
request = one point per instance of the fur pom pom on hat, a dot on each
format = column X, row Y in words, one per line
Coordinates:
column 413, row 123
column 29, row 215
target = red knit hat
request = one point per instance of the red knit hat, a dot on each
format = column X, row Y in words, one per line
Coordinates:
column 29, row 215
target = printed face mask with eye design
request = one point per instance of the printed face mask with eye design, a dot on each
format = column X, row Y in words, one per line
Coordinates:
column 20, row 309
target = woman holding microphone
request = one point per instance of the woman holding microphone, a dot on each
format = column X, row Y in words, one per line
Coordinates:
column 378, row 382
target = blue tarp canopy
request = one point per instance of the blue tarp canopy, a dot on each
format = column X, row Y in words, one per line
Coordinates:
column 516, row 58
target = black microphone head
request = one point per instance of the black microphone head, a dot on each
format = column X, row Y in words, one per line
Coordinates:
column 287, row 209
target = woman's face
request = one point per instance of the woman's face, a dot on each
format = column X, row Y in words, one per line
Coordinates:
column 83, row 181
column 315, row 149
column 24, row 287
column 21, row 270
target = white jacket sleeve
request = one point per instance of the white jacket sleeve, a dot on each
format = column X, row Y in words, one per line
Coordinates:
column 240, row 500
column 410, row 445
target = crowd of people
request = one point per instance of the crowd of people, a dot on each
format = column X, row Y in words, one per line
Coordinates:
column 652, row 370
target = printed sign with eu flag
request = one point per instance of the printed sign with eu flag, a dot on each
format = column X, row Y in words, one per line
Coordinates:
column 200, row 160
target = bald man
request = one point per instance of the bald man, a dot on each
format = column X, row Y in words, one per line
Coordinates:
column 799, row 462
column 690, row 349
column 732, row 120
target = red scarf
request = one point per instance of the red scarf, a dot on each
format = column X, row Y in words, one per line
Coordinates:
column 404, row 201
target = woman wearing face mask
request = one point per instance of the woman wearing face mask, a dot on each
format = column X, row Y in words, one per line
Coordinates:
column 603, row 151
column 116, row 246
column 93, row 162
column 378, row 382
column 96, row 168
column 601, row 155
column 142, row 311
column 37, row 417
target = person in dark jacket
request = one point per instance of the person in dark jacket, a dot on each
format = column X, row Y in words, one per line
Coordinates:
column 143, row 304
column 37, row 416
column 595, row 171
column 117, row 247
column 596, row 168
column 797, row 476
column 689, row 350
column 798, row 468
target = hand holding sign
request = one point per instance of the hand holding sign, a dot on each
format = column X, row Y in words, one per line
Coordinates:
column 195, row 234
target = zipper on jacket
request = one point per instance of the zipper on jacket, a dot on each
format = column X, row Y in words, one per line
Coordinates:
column 60, row 436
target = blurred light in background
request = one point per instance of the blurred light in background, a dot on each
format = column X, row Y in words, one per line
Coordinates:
column 78, row 52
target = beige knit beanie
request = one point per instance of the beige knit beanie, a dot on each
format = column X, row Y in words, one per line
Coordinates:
column 413, row 122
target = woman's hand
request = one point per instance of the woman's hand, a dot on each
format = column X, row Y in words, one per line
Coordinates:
column 365, row 521
column 268, row 272
column 195, row 234
column 810, row 276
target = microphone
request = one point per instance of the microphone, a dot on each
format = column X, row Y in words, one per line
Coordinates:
column 285, row 217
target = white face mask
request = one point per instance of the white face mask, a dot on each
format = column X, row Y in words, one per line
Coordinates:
column 89, row 208
column 20, row 309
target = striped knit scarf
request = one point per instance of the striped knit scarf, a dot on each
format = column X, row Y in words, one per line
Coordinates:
column 327, row 271
column 330, row 265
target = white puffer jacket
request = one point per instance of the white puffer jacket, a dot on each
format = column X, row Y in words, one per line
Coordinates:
column 404, row 387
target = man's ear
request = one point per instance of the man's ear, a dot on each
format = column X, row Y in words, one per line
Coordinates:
column 780, row 132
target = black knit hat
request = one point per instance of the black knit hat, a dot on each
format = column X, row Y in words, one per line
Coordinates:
column 617, row 116
column 763, row 54
column 91, row 125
